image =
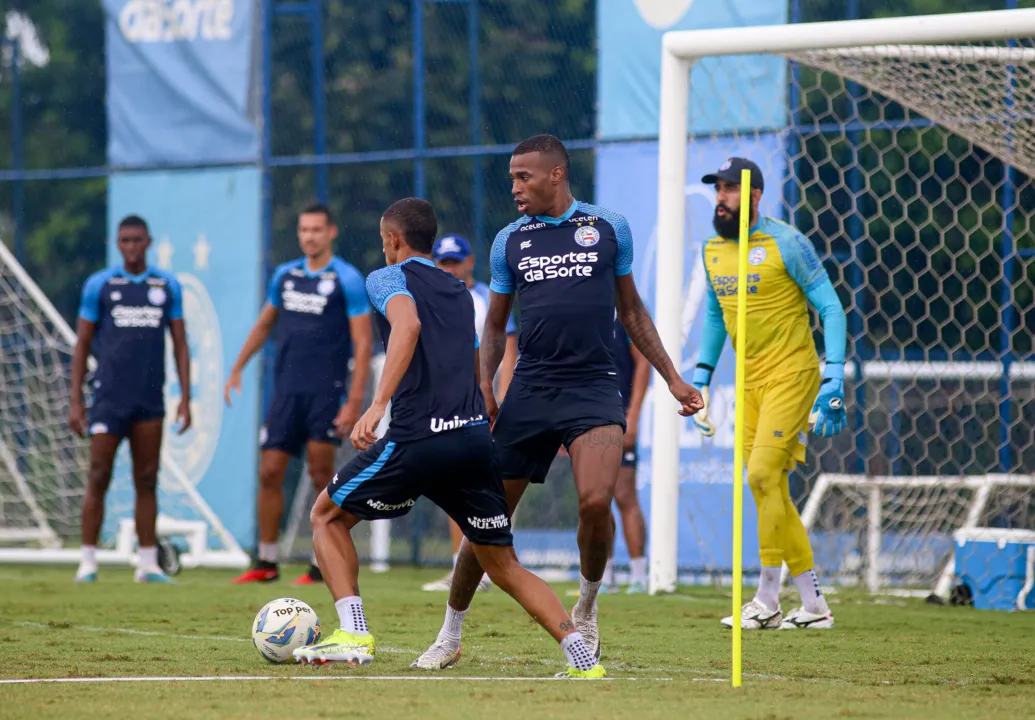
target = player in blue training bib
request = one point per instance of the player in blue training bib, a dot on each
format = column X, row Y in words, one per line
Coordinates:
column 123, row 318
column 453, row 254
column 437, row 445
column 570, row 264
column 320, row 308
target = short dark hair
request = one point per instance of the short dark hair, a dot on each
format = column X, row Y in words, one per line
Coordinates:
column 318, row 208
column 134, row 221
column 546, row 145
column 417, row 221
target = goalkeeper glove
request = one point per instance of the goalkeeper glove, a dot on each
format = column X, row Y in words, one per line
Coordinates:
column 702, row 378
column 828, row 413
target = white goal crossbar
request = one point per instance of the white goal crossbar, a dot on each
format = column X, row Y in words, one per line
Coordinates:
column 891, row 37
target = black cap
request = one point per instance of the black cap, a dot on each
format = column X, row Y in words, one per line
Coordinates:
column 730, row 172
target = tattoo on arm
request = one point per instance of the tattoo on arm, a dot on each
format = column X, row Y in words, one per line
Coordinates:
column 641, row 330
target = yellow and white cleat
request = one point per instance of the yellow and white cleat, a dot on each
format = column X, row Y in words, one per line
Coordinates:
column 340, row 647
column 594, row 673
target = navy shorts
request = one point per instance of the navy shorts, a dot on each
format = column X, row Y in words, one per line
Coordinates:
column 294, row 420
column 534, row 422
column 117, row 416
column 456, row 470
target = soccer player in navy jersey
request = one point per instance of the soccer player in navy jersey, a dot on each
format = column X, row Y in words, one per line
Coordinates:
column 453, row 254
column 570, row 264
column 437, row 445
column 320, row 307
column 123, row 318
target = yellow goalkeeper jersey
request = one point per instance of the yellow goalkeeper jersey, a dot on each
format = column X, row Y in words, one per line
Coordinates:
column 782, row 268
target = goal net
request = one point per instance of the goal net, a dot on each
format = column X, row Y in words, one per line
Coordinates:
column 43, row 465
column 904, row 149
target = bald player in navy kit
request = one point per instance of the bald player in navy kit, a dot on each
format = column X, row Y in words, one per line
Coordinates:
column 437, row 445
column 570, row 264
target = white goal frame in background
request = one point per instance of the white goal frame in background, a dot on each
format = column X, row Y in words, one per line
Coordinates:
column 680, row 51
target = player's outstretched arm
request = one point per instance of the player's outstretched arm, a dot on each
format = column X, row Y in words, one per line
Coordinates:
column 181, row 353
column 257, row 337
column 401, row 313
column 83, row 341
column 641, row 330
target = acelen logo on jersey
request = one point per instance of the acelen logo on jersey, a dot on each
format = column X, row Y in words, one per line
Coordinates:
column 548, row 267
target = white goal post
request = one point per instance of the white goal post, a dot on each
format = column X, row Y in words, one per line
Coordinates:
column 878, row 56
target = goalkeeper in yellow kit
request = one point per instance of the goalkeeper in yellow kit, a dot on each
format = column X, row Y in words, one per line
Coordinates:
column 784, row 393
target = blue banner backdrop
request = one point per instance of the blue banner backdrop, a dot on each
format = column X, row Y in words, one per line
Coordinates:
column 629, row 65
column 205, row 229
column 181, row 82
column 627, row 181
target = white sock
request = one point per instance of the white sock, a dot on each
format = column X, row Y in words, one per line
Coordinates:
column 452, row 626
column 609, row 573
column 638, row 570
column 350, row 615
column 455, row 556
column 588, row 593
column 769, row 587
column 577, row 652
column 268, row 552
column 88, row 562
column 149, row 560
column 811, row 594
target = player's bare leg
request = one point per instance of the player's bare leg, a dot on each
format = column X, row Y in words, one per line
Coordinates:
column 541, row 602
column 320, row 460
column 633, row 527
column 467, row 574
column 595, row 458
column 272, row 466
column 102, row 458
column 145, row 447
column 336, row 552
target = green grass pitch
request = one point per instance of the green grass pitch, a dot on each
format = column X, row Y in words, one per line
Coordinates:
column 667, row 656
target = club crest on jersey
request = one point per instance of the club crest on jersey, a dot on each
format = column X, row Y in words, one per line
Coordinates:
column 156, row 296
column 325, row 287
column 587, row 236
column 757, row 255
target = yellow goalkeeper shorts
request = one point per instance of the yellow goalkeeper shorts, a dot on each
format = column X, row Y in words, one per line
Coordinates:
column 777, row 414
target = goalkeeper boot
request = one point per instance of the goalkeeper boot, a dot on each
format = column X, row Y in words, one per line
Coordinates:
column 594, row 673
column 340, row 647
column 86, row 574
column 802, row 619
column 442, row 654
column 755, row 615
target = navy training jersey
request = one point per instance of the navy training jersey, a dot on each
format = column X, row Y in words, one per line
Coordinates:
column 131, row 313
column 439, row 391
column 623, row 361
column 314, row 344
column 563, row 270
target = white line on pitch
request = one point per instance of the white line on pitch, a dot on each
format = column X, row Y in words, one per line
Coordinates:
column 254, row 678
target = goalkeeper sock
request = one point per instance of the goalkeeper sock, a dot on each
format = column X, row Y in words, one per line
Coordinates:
column 638, row 570
column 452, row 626
column 351, row 617
column 88, row 562
column 577, row 652
column 149, row 560
column 811, row 594
column 268, row 552
column 769, row 587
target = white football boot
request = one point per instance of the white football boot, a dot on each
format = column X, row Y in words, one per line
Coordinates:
column 755, row 615
column 442, row 654
column 586, row 623
column 802, row 619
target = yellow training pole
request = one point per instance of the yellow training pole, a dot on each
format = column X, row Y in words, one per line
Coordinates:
column 738, row 432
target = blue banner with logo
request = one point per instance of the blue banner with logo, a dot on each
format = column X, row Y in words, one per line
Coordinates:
column 726, row 93
column 181, row 82
column 205, row 231
column 627, row 182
